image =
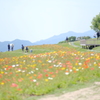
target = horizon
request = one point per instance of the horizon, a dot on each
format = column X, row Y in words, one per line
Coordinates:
column 36, row 20
column 48, row 37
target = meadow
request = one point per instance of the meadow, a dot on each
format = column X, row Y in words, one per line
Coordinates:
column 48, row 68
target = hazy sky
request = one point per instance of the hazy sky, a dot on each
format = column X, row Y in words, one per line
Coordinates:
column 35, row 20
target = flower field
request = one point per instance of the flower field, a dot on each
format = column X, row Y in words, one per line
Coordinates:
column 37, row 74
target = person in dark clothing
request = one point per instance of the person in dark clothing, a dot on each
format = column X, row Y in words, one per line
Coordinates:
column 8, row 47
column 22, row 47
column 26, row 49
column 98, row 35
column 67, row 39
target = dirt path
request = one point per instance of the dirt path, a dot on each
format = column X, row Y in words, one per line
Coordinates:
column 91, row 93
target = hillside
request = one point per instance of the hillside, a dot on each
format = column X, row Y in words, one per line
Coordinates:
column 48, row 69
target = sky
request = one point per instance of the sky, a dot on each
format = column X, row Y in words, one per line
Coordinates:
column 36, row 20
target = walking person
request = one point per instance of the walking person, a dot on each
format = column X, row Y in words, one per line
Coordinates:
column 8, row 47
column 22, row 47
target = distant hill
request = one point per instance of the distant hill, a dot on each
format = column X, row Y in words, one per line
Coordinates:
column 57, row 38
column 52, row 40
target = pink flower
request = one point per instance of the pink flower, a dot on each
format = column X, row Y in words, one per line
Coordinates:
column 14, row 85
column 19, row 80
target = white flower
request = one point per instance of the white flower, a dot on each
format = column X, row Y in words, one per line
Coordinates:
column 23, row 60
column 23, row 71
column 34, row 80
column 49, row 61
column 80, row 63
column 70, row 70
column 92, row 54
column 99, row 66
column 54, row 65
column 50, row 78
column 66, row 73
column 77, row 69
column 94, row 62
column 37, row 69
column 82, row 68
column 13, row 65
column 32, row 72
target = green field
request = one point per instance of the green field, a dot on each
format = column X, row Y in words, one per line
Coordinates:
column 49, row 69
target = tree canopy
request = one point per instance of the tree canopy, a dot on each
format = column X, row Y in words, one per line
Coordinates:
column 96, row 23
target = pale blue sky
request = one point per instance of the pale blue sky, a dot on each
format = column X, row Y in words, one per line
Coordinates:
column 35, row 20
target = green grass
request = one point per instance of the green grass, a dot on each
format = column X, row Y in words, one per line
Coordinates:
column 39, row 61
column 70, row 88
column 10, row 54
column 77, row 43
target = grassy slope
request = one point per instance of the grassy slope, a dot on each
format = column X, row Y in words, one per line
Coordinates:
column 44, row 50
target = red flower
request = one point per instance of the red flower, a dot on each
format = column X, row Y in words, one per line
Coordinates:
column 91, row 68
column 46, row 75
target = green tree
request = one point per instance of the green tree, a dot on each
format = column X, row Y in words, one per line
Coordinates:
column 72, row 38
column 96, row 23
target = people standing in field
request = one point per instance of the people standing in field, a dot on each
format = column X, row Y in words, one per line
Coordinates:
column 8, row 47
column 12, row 47
column 27, row 49
column 22, row 47
column 66, row 39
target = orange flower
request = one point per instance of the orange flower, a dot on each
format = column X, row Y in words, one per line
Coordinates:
column 30, row 77
column 50, row 67
column 10, row 73
column 34, row 74
column 86, row 67
column 75, row 71
column 19, row 89
column 53, row 75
